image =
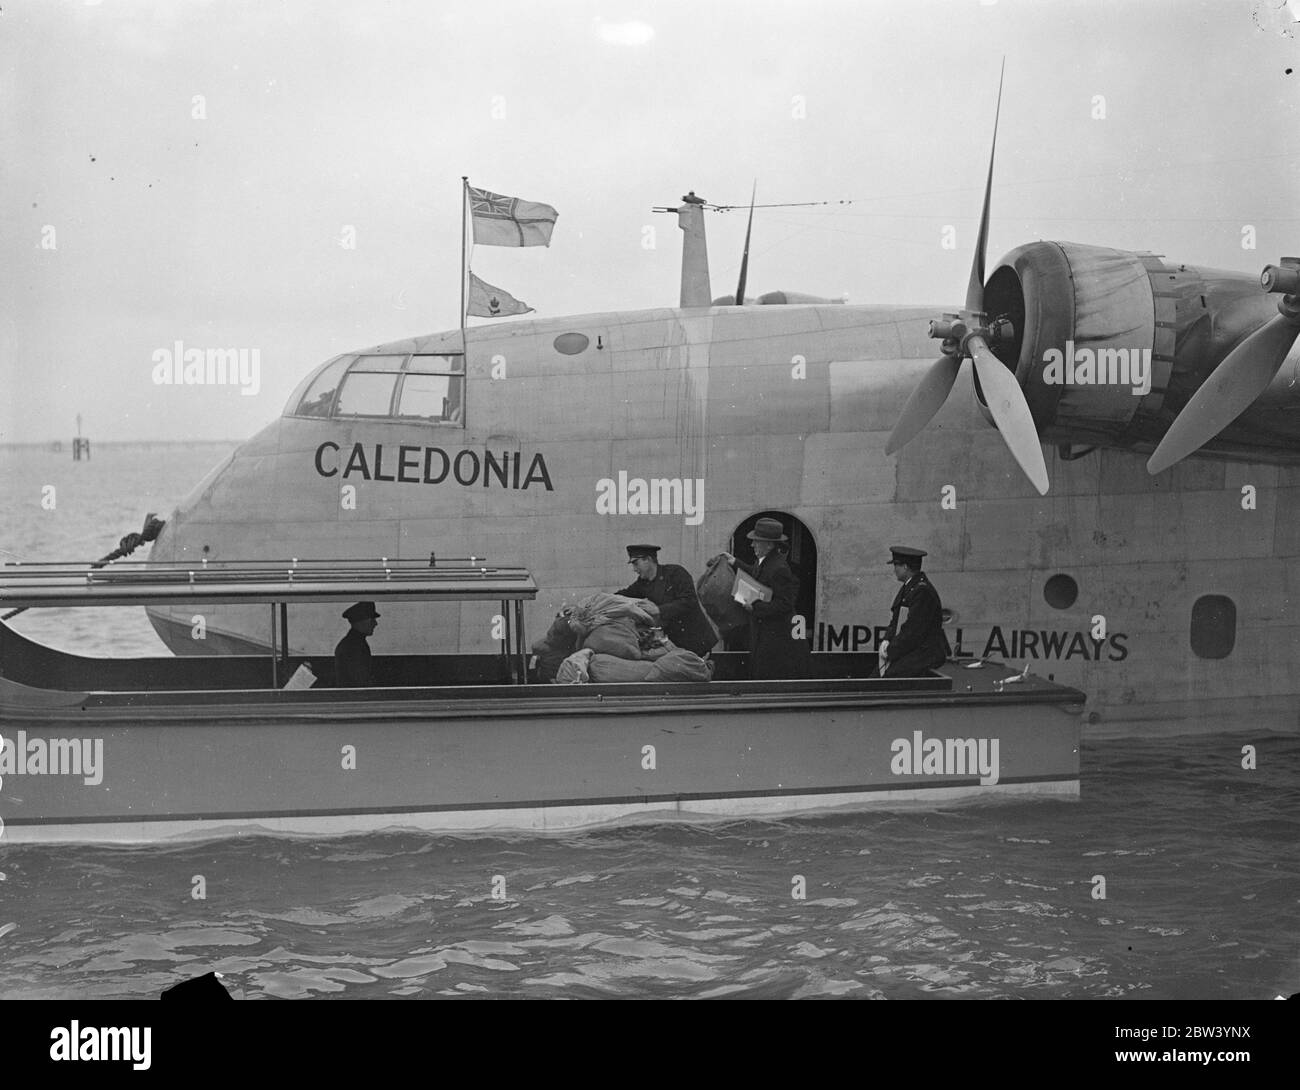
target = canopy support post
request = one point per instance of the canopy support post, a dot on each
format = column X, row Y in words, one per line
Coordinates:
column 284, row 636
column 275, row 662
column 520, row 643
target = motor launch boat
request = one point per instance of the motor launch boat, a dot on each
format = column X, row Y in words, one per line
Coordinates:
column 147, row 749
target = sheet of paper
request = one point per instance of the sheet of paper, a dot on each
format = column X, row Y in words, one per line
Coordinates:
column 747, row 590
column 302, row 678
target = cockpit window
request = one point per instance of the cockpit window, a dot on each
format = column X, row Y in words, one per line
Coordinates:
column 431, row 397
column 366, row 393
column 433, row 389
column 428, row 388
column 319, row 398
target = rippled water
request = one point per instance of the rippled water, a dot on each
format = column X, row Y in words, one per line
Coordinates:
column 1200, row 860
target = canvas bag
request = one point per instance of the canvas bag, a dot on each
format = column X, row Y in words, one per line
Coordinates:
column 714, row 590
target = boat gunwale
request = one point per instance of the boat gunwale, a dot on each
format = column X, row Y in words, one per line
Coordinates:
column 531, row 701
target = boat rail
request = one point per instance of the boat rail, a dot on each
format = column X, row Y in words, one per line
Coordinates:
column 279, row 583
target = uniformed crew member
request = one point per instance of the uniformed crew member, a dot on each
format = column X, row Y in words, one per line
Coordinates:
column 920, row 644
column 671, row 588
column 773, row 650
column 352, row 655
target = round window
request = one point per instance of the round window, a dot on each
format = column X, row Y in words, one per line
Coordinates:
column 570, row 344
column 1061, row 591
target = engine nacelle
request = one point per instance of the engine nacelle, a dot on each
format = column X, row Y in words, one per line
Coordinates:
column 1108, row 345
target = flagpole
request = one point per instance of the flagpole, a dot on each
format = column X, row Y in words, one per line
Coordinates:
column 464, row 199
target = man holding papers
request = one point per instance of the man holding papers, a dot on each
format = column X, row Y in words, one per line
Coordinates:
column 774, row 652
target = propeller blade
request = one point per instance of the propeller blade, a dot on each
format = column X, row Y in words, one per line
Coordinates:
column 1243, row 375
column 926, row 400
column 1006, row 401
column 744, row 259
column 975, row 289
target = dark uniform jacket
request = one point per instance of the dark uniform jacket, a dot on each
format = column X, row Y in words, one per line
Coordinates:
column 774, row 652
column 352, row 662
column 920, row 644
column 673, row 591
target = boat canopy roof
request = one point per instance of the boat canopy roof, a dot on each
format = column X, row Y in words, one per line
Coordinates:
column 145, row 583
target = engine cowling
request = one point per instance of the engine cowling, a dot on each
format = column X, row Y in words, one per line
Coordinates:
column 1107, row 344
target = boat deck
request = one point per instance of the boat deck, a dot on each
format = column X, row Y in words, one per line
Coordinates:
column 244, row 679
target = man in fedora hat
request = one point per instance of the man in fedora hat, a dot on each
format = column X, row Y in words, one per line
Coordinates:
column 920, row 645
column 773, row 650
column 672, row 590
column 352, row 655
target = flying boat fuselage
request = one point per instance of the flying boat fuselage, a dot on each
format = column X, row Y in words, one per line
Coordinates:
column 552, row 443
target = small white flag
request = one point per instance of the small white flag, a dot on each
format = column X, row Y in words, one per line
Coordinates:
column 485, row 301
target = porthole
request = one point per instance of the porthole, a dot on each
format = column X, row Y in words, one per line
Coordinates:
column 1214, row 626
column 571, row 344
column 1061, row 591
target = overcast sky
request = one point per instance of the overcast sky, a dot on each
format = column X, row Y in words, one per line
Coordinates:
column 224, row 230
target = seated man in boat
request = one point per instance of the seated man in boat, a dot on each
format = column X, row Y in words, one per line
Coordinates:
column 671, row 588
column 352, row 655
column 920, row 644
